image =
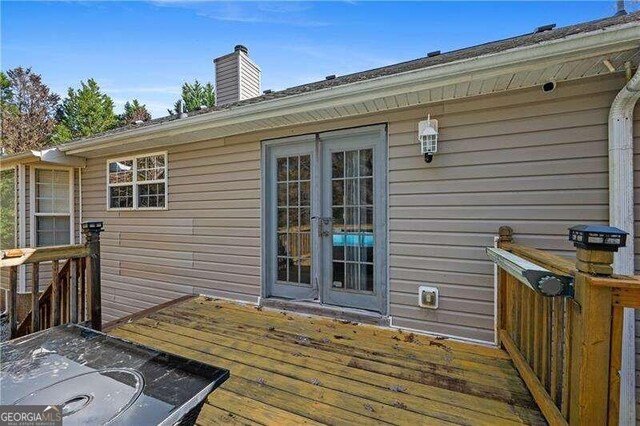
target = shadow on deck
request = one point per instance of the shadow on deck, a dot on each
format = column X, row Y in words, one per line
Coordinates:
column 297, row 369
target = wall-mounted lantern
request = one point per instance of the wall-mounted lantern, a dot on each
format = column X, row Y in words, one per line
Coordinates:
column 597, row 237
column 428, row 138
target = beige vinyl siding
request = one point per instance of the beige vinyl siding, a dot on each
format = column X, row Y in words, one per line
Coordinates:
column 208, row 241
column 534, row 161
column 249, row 78
column 227, row 74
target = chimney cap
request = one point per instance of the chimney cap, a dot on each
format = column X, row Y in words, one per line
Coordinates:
column 241, row 48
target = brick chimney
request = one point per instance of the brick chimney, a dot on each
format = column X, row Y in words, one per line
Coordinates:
column 237, row 77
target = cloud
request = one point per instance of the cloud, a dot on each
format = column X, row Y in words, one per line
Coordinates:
column 173, row 90
column 244, row 12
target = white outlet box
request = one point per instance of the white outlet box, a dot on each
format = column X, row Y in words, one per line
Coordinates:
column 428, row 297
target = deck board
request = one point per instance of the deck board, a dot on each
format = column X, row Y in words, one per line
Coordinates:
column 288, row 368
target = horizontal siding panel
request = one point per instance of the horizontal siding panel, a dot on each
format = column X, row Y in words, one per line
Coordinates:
column 493, row 157
column 462, row 291
column 553, row 212
column 407, row 146
column 505, row 198
column 446, row 303
column 504, row 169
column 577, row 181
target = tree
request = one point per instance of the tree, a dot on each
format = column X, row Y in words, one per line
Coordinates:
column 28, row 111
column 194, row 96
column 85, row 112
column 134, row 111
column 7, row 209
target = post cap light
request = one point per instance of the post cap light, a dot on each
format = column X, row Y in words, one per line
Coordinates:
column 597, row 237
column 92, row 226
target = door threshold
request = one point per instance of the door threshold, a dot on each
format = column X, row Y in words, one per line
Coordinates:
column 336, row 312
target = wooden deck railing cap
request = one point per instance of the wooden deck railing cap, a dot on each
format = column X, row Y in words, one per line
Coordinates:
column 74, row 293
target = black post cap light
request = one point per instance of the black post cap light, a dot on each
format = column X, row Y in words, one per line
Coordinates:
column 597, row 237
column 93, row 226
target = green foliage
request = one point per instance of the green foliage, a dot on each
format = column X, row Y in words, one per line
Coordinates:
column 85, row 112
column 6, row 92
column 61, row 133
column 134, row 111
column 194, row 96
column 7, row 209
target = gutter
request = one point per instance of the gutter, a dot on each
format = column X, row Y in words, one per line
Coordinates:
column 612, row 39
column 621, row 215
column 49, row 156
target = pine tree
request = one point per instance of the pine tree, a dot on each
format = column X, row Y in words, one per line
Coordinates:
column 194, row 96
column 134, row 111
column 85, row 112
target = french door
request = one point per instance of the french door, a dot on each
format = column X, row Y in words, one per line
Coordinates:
column 325, row 218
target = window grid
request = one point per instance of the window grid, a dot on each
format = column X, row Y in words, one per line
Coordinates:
column 142, row 187
column 52, row 211
column 293, row 188
column 352, row 211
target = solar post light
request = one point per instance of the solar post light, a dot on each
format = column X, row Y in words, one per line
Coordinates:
column 428, row 138
column 597, row 237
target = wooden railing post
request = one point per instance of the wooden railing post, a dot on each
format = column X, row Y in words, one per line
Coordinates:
column 505, row 234
column 91, row 232
column 12, row 302
column 590, row 340
column 35, row 297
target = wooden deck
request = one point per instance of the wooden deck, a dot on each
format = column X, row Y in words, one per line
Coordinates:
column 293, row 369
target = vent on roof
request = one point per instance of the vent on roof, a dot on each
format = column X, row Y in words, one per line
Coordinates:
column 432, row 54
column 544, row 28
column 266, row 92
column 237, row 77
column 330, row 77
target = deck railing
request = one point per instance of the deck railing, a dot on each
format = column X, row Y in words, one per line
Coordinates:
column 73, row 295
column 561, row 323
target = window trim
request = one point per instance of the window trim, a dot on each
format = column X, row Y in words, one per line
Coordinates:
column 32, row 203
column 135, row 183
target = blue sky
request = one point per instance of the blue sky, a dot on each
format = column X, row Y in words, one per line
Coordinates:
column 146, row 50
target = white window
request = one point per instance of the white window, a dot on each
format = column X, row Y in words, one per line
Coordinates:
column 52, row 209
column 138, row 182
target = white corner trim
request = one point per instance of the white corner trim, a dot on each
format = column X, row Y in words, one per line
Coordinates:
column 621, row 215
column 22, row 222
column 496, row 283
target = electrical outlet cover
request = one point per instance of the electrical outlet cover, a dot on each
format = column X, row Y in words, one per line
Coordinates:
column 423, row 295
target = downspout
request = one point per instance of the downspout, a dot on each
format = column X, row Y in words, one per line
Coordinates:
column 621, row 216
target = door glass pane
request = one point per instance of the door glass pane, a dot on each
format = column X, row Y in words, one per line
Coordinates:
column 293, row 239
column 353, row 230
